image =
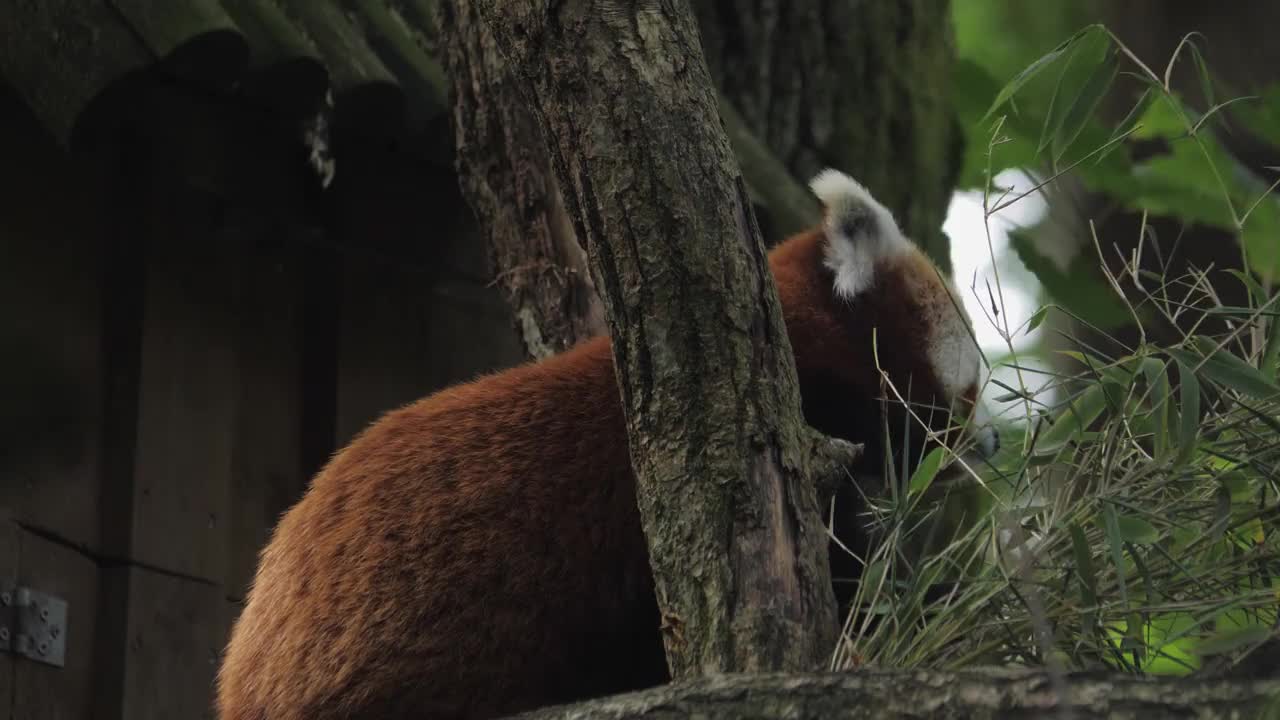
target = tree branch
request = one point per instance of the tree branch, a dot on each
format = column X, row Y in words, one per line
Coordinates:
column 973, row 695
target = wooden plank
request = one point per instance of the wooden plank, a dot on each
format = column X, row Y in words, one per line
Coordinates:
column 176, row 631
column 188, row 389
column 406, row 235
column 40, row 691
column 267, row 474
column 404, row 336
column 227, row 191
column 385, row 354
column 50, row 315
column 470, row 328
column 9, row 575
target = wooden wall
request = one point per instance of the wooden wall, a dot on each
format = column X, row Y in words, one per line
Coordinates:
column 189, row 326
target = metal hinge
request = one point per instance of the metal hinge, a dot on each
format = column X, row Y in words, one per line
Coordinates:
column 33, row 624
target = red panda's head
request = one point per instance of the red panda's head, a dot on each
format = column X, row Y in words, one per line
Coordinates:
column 860, row 298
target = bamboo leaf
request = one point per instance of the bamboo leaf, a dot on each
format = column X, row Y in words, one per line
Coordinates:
column 1111, row 526
column 1233, row 639
column 1189, row 428
column 1088, row 579
column 1084, row 105
column 1035, row 68
column 1158, row 384
column 1037, row 319
column 1073, row 421
column 925, row 472
column 1221, row 514
column 1136, row 530
column 1227, row 369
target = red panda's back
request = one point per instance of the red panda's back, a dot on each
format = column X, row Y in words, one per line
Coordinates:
column 473, row 554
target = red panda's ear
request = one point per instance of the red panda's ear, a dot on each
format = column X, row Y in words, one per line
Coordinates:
column 859, row 230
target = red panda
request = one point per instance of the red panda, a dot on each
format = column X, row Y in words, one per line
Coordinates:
column 479, row 552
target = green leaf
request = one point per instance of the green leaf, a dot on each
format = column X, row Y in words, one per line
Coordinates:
column 1037, row 318
column 1261, row 116
column 1084, row 559
column 1134, row 638
column 1202, row 71
column 925, row 472
column 1233, row 639
column 1221, row 515
column 1189, row 427
column 1270, row 355
column 1136, row 530
column 1088, row 578
column 1180, row 184
column 1084, row 105
column 1236, row 483
column 1261, row 236
column 1172, row 645
column 1080, row 288
column 1241, row 311
column 1135, row 115
column 874, row 576
column 1161, row 118
column 1053, row 116
column 1158, row 384
column 1226, row 368
column 1111, row 525
column 972, row 87
column 1075, row 419
column 1034, row 69
column 1249, row 534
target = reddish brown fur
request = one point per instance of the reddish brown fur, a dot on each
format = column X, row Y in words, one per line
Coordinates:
column 479, row 552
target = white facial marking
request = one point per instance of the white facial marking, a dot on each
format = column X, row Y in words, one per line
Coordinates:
column 984, row 431
column 957, row 364
column 952, row 350
column 859, row 231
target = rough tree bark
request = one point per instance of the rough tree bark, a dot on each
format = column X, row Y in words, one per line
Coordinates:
column 704, row 364
column 506, row 175
column 976, row 695
column 507, row 178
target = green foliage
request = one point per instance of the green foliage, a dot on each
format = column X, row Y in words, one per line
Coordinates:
column 1045, row 120
column 1136, row 519
column 1040, row 25
column 1083, row 292
column 1131, row 520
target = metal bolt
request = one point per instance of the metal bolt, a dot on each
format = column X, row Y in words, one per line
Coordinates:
column 44, row 614
column 54, row 632
column 5, row 598
column 44, row 648
column 4, row 634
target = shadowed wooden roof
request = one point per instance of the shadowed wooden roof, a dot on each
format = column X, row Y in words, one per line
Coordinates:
column 372, row 59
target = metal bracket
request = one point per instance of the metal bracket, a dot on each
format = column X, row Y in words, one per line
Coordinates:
column 33, row 625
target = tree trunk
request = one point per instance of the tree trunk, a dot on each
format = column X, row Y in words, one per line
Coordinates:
column 975, row 695
column 704, row 365
column 506, row 176
column 861, row 86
